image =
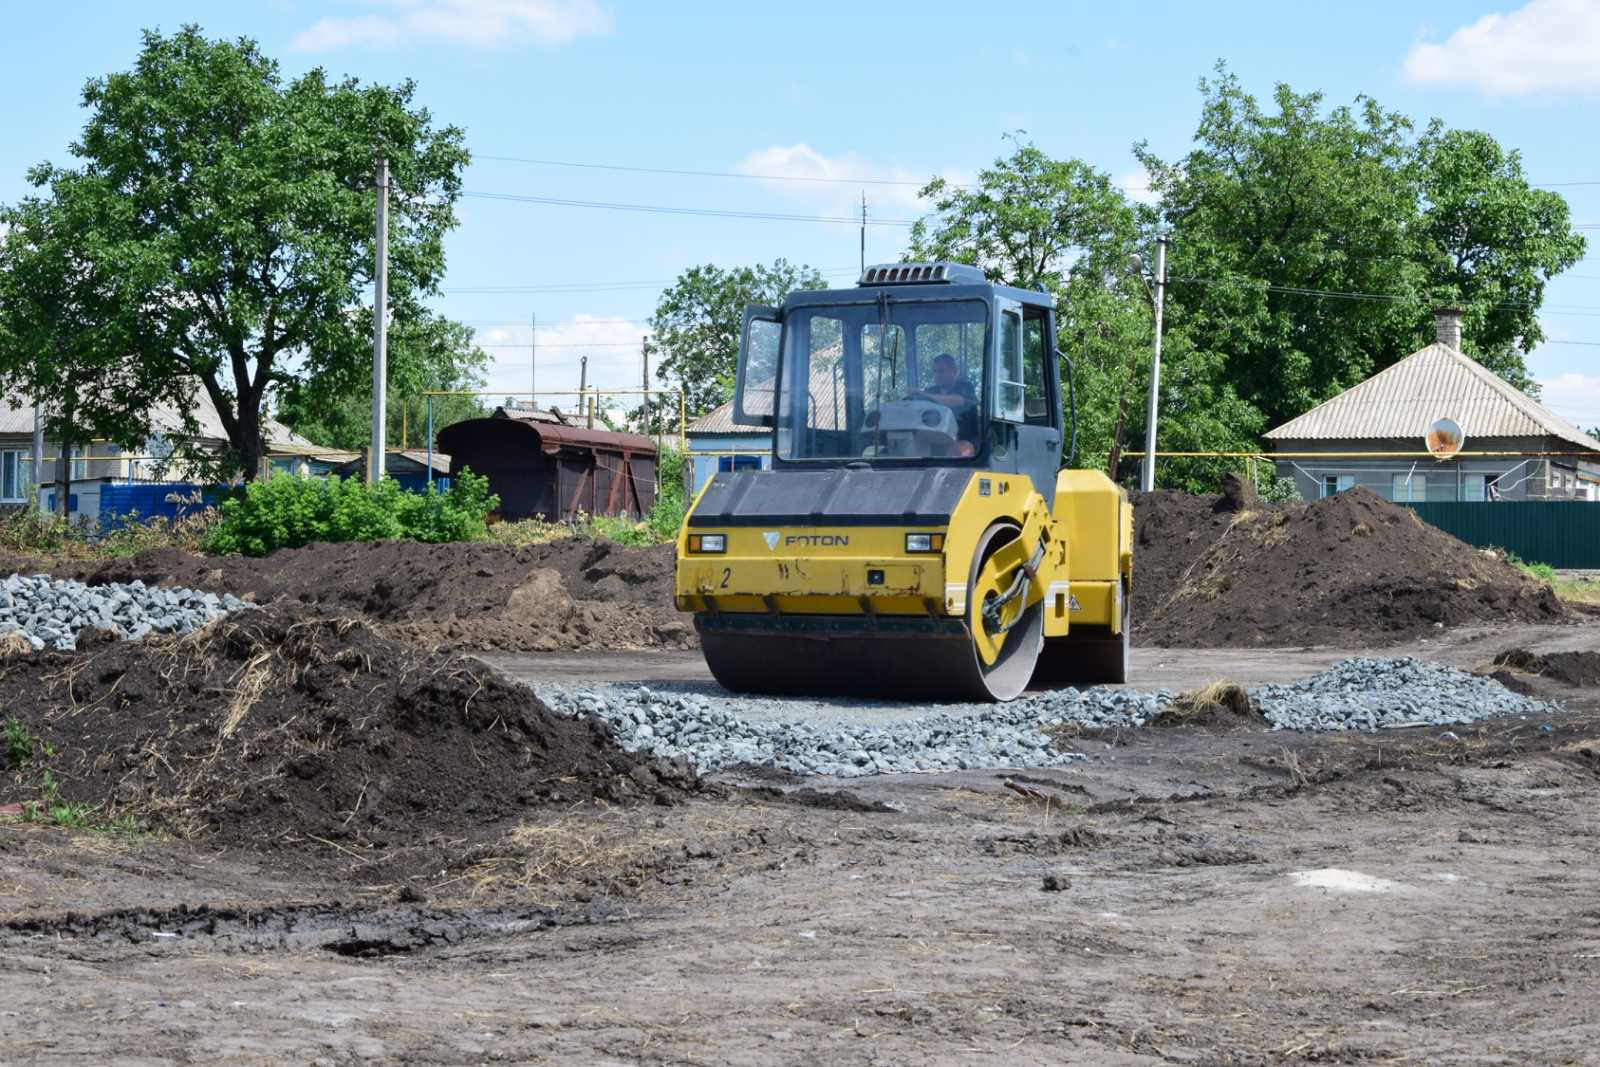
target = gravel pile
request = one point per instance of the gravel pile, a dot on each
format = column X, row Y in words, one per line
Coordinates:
column 715, row 730
column 1374, row 693
column 51, row 614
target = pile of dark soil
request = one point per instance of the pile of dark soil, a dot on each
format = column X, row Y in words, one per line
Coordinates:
column 1580, row 669
column 284, row 724
column 1349, row 569
column 570, row 594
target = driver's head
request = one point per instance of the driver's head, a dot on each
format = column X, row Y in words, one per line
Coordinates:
column 944, row 371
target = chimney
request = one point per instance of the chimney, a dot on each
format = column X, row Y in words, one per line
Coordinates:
column 1447, row 327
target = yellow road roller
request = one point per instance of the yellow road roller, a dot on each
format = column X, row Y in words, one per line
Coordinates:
column 914, row 535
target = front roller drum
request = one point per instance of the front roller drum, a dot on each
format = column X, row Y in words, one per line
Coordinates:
column 883, row 656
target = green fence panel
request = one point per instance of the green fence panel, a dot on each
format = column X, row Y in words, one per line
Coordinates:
column 1562, row 533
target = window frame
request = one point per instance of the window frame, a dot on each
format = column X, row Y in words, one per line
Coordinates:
column 14, row 457
column 1009, row 378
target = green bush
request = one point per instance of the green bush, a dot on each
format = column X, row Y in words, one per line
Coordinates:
column 287, row 512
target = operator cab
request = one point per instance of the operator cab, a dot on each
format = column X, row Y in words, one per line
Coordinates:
column 922, row 364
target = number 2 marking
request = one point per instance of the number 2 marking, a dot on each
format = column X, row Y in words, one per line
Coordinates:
column 727, row 575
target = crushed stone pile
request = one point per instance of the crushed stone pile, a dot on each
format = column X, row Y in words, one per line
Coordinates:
column 279, row 725
column 1351, row 569
column 713, row 730
column 52, row 613
column 571, row 594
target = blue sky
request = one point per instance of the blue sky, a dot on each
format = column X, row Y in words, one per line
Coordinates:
column 887, row 91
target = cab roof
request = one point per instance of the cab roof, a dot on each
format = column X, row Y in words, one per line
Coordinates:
column 920, row 281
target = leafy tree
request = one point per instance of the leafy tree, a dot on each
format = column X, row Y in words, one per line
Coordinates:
column 695, row 329
column 1382, row 224
column 240, row 206
column 1060, row 225
column 67, row 334
column 425, row 353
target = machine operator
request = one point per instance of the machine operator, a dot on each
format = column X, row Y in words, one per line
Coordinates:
column 956, row 393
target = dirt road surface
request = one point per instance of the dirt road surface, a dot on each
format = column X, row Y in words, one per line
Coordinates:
column 1420, row 896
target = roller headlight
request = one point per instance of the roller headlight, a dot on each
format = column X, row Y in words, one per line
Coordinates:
column 711, row 543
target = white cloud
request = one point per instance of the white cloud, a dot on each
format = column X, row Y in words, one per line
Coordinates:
column 1544, row 45
column 475, row 23
column 1574, row 396
column 819, row 178
column 1135, row 185
column 612, row 345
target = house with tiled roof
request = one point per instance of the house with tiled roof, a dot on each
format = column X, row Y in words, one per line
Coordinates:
column 1370, row 435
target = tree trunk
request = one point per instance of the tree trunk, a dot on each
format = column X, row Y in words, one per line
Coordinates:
column 64, row 480
column 1114, row 460
column 252, row 450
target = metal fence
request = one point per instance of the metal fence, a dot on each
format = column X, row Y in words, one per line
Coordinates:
column 1562, row 533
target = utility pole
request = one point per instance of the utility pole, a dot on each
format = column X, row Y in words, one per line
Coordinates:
column 863, row 231
column 38, row 452
column 533, row 359
column 380, row 329
column 644, row 357
column 583, row 383
column 1147, row 480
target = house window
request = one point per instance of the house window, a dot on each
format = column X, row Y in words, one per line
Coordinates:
column 1410, row 487
column 738, row 463
column 1337, row 483
column 1478, row 487
column 16, row 474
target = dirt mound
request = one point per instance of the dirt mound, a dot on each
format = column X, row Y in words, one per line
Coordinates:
column 1580, row 669
column 1351, row 568
column 570, row 594
column 283, row 724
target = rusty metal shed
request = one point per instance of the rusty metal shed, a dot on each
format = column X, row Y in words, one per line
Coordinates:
column 548, row 470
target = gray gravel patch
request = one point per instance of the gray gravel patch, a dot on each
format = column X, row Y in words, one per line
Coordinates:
column 51, row 613
column 714, row 729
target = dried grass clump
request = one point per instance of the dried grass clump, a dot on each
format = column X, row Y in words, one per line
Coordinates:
column 1219, row 699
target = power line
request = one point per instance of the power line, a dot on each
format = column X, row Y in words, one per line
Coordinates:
column 661, row 209
column 573, row 344
column 599, row 287
column 1584, row 310
column 710, row 173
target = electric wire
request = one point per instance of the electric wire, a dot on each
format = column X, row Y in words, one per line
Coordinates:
column 661, row 209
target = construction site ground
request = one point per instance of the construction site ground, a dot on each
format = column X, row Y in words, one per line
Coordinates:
column 1188, row 895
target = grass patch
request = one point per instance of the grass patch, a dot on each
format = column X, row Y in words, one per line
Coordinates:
column 1577, row 590
column 21, row 747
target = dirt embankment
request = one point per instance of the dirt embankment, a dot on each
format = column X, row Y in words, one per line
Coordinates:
column 569, row 594
column 279, row 725
column 1351, row 569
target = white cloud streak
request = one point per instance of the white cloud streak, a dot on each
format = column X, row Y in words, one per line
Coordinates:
column 611, row 343
column 827, row 179
column 1545, row 45
column 1574, row 396
column 471, row 23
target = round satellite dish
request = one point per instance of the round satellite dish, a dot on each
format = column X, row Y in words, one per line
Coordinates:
column 1445, row 438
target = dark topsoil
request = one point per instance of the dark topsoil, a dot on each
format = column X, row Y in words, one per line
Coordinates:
column 570, row 594
column 284, row 724
column 1349, row 569
column 1352, row 569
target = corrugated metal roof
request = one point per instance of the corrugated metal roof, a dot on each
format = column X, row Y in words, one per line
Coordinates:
column 553, row 435
column 1434, row 382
